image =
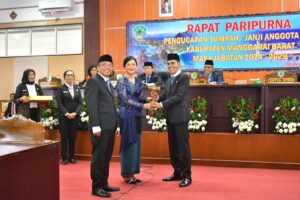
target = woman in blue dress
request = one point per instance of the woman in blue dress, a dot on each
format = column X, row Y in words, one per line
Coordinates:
column 129, row 89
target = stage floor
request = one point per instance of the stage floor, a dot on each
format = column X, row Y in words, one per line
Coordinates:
column 209, row 183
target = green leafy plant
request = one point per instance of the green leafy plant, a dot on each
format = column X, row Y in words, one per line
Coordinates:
column 244, row 114
column 286, row 115
column 158, row 120
column 49, row 114
column 197, row 123
column 197, row 108
column 84, row 117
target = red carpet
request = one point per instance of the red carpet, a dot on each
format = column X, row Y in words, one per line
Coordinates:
column 209, row 183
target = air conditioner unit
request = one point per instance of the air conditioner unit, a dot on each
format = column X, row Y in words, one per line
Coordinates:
column 54, row 5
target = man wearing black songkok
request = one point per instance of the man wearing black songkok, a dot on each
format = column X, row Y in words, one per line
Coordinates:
column 175, row 102
column 102, row 124
column 149, row 76
column 213, row 75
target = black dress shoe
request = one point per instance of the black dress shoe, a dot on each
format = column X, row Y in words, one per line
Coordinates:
column 131, row 181
column 101, row 193
column 73, row 161
column 65, row 162
column 185, row 182
column 109, row 188
column 137, row 180
column 172, row 178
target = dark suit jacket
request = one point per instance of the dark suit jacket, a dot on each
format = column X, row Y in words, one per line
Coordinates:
column 8, row 110
column 217, row 76
column 23, row 108
column 101, row 104
column 155, row 78
column 175, row 100
column 66, row 103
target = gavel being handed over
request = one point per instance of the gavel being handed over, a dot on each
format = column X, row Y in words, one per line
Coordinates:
column 154, row 96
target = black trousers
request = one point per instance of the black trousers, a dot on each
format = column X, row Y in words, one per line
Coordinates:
column 179, row 147
column 102, row 150
column 68, row 131
column 34, row 114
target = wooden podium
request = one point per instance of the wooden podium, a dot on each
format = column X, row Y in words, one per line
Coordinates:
column 29, row 171
column 29, row 164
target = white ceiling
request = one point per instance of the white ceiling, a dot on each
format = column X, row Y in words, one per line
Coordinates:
column 22, row 3
column 17, row 3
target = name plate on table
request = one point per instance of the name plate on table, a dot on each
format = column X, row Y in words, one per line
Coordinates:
column 198, row 79
column 281, row 76
column 40, row 98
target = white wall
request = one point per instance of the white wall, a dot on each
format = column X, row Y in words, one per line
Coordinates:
column 12, row 68
column 6, row 80
column 38, row 64
column 27, row 10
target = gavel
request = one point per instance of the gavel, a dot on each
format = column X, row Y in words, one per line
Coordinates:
column 154, row 90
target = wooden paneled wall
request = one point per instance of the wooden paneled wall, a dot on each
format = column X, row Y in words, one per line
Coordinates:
column 113, row 15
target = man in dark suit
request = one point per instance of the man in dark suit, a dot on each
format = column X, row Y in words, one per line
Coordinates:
column 11, row 107
column 213, row 76
column 103, row 125
column 175, row 102
column 149, row 76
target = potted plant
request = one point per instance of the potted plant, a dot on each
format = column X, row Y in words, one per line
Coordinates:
column 197, row 108
column 84, row 117
column 197, row 123
column 244, row 114
column 286, row 115
column 158, row 121
column 49, row 114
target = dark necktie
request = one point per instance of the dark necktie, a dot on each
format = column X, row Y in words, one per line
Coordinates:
column 172, row 80
column 108, row 86
column 148, row 79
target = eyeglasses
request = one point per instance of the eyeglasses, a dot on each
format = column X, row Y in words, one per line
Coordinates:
column 71, row 75
column 105, row 64
column 207, row 66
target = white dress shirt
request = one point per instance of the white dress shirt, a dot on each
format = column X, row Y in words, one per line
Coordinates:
column 32, row 92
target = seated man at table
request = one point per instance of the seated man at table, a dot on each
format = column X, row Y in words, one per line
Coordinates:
column 214, row 76
column 149, row 76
